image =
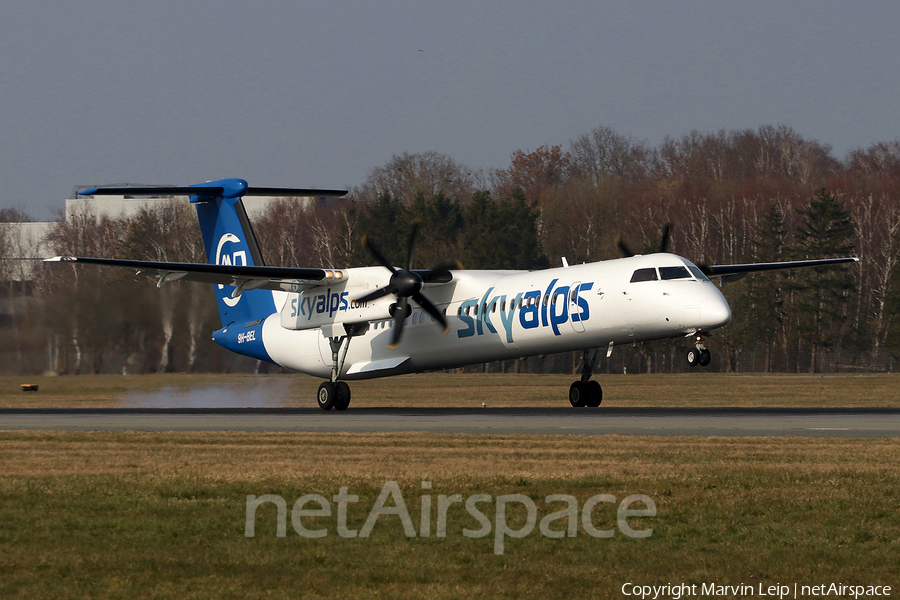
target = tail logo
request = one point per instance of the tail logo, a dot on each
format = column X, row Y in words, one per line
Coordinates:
column 238, row 258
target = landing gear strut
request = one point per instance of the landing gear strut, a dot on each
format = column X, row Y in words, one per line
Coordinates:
column 336, row 394
column 586, row 392
column 698, row 355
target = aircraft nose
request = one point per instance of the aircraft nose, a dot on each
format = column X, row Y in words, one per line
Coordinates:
column 715, row 311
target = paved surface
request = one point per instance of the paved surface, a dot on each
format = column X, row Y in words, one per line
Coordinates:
column 718, row 421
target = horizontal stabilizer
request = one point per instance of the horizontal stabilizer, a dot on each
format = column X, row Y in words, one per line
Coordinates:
column 212, row 190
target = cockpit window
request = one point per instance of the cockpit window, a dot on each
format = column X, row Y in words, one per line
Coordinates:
column 674, row 273
column 698, row 273
column 648, row 274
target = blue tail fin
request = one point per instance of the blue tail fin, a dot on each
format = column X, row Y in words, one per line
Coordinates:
column 229, row 240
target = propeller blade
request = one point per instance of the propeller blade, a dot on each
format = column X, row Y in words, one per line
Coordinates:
column 441, row 273
column 664, row 241
column 432, row 310
column 379, row 293
column 399, row 319
column 376, row 252
column 626, row 252
column 411, row 244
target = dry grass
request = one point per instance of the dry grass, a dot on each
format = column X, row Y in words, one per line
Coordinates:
column 157, row 515
column 442, row 389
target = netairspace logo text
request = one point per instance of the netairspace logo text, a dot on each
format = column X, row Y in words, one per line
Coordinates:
column 478, row 506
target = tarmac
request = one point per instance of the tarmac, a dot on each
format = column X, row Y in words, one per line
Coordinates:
column 714, row 421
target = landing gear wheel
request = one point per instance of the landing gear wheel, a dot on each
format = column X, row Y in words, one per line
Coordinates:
column 327, row 395
column 594, row 394
column 343, row 396
column 693, row 357
column 577, row 394
column 704, row 357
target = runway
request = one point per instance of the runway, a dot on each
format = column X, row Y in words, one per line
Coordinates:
column 715, row 421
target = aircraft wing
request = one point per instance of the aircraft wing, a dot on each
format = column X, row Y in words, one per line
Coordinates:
column 241, row 277
column 735, row 272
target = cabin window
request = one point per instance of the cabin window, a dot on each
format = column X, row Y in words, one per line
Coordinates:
column 494, row 307
column 644, row 275
column 674, row 273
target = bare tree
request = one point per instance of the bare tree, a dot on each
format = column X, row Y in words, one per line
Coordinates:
column 427, row 173
column 603, row 152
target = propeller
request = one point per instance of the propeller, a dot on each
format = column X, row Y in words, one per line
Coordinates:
column 406, row 285
column 663, row 242
column 663, row 247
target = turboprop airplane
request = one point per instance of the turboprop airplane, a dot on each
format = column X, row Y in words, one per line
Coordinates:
column 368, row 322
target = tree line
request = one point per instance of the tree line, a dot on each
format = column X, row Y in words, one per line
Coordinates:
column 755, row 195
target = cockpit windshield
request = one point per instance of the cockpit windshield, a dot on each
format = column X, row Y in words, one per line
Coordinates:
column 648, row 274
column 688, row 271
column 698, row 273
column 674, row 273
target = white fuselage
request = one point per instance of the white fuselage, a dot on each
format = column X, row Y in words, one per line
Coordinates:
column 501, row 315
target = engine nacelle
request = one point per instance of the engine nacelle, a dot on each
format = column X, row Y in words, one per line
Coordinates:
column 327, row 305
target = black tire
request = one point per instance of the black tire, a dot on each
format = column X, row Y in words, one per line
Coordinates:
column 343, row 395
column 577, row 394
column 594, row 394
column 704, row 357
column 327, row 395
column 693, row 357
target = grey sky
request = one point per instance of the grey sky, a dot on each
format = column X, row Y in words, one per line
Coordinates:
column 316, row 94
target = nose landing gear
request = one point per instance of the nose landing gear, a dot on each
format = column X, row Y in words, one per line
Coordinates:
column 698, row 355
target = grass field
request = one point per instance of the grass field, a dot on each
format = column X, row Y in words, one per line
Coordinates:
column 162, row 515
column 442, row 389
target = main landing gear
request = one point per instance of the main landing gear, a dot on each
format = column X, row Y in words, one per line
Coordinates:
column 336, row 394
column 333, row 395
column 586, row 392
column 698, row 355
